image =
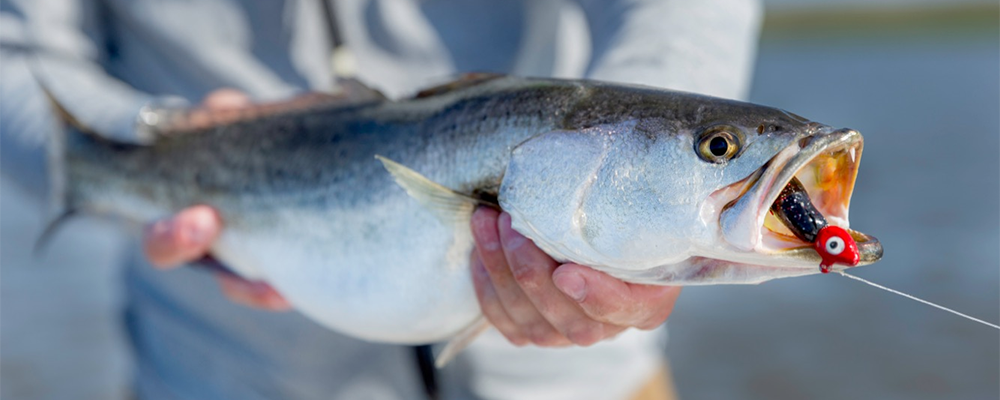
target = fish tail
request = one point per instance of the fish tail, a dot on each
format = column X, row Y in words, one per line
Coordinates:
column 56, row 160
column 61, row 206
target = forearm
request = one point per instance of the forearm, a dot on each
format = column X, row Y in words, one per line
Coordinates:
column 702, row 46
column 54, row 43
column 63, row 44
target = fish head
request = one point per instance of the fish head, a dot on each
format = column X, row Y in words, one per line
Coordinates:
column 674, row 188
column 824, row 159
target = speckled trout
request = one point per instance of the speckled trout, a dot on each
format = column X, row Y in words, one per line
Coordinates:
column 357, row 211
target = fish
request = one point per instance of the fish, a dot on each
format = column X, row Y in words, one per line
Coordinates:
column 356, row 208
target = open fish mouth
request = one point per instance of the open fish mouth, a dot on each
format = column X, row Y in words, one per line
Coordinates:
column 826, row 165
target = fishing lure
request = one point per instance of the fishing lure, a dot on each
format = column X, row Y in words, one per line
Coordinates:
column 836, row 246
column 833, row 243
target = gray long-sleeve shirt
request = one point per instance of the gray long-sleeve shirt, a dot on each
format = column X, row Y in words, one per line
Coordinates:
column 107, row 59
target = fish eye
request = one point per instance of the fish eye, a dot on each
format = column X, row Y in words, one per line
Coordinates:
column 718, row 144
column 834, row 245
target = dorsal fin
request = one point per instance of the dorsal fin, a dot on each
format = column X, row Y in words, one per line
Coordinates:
column 464, row 81
column 354, row 91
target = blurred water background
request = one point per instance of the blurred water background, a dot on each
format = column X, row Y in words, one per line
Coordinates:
column 919, row 78
column 923, row 86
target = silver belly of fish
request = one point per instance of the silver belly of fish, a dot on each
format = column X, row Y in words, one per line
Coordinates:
column 386, row 272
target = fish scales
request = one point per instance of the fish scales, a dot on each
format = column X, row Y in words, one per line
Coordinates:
column 648, row 185
column 313, row 151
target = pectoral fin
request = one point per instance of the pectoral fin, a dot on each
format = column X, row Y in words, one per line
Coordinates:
column 450, row 207
column 461, row 341
column 447, row 205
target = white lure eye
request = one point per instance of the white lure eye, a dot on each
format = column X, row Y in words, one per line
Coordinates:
column 834, row 245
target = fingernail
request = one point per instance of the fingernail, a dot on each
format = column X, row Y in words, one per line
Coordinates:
column 195, row 234
column 572, row 285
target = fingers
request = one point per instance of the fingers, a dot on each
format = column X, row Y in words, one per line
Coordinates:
column 226, row 99
column 613, row 301
column 490, row 304
column 188, row 235
column 526, row 322
column 532, row 299
column 252, row 294
column 532, row 270
column 218, row 107
column 513, row 280
column 185, row 237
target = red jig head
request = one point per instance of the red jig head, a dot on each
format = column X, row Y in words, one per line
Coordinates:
column 836, row 246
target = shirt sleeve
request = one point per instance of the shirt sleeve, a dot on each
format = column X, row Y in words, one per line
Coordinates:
column 63, row 44
column 702, row 46
column 59, row 44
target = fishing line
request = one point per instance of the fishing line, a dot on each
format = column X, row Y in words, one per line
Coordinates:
column 920, row 300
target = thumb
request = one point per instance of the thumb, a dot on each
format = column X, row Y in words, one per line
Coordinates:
column 186, row 236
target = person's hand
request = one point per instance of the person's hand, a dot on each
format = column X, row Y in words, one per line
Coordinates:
column 531, row 298
column 188, row 235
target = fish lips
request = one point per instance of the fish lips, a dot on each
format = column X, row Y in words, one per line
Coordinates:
column 826, row 162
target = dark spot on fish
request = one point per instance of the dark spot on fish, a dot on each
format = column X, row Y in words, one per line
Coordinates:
column 769, row 128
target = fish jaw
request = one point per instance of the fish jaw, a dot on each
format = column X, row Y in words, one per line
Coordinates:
column 701, row 271
column 826, row 161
